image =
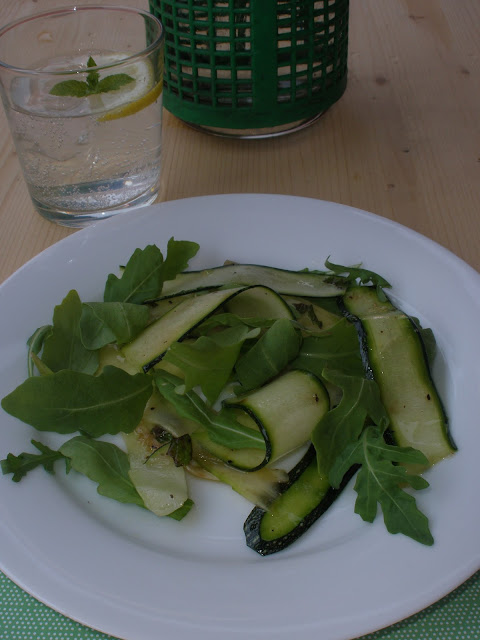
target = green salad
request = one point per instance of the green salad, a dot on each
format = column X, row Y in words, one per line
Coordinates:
column 226, row 374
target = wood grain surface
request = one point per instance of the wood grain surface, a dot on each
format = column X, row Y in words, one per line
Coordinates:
column 403, row 141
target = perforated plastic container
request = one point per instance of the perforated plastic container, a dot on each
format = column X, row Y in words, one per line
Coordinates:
column 253, row 67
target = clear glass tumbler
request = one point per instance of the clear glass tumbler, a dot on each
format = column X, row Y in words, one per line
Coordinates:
column 82, row 90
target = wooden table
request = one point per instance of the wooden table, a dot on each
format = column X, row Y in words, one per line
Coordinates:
column 403, row 141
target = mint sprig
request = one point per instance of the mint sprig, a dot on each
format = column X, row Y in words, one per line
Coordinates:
column 93, row 84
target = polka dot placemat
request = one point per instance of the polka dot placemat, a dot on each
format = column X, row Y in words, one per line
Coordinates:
column 455, row 617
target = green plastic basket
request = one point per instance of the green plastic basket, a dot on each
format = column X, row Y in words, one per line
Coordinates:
column 261, row 66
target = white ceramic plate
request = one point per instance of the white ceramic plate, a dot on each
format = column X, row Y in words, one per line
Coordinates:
column 129, row 574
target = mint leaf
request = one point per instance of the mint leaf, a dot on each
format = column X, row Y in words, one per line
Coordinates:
column 93, row 84
column 70, row 401
column 105, row 464
column 72, row 88
column 221, row 427
column 342, row 425
column 208, row 362
column 104, row 322
column 20, row 465
column 63, row 347
column 336, row 348
column 113, row 83
column 92, row 76
column 179, row 448
column 269, row 355
column 379, row 481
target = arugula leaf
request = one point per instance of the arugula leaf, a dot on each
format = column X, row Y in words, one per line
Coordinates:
column 342, row 425
column 70, row 401
column 104, row 322
column 182, row 511
column 141, row 280
column 35, row 344
column 63, row 347
column 208, row 362
column 379, row 481
column 179, row 253
column 145, row 272
column 42, row 368
column 102, row 462
column 105, row 464
column 269, row 355
column 336, row 348
column 23, row 463
column 356, row 274
column 221, row 427
column 93, row 84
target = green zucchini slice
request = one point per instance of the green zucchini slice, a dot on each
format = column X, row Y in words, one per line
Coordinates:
column 259, row 302
column 163, row 306
column 394, row 352
column 147, row 349
column 297, row 283
column 260, row 487
column 302, row 500
column 161, row 485
column 285, row 411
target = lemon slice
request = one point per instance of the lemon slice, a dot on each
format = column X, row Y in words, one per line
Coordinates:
column 132, row 97
column 132, row 107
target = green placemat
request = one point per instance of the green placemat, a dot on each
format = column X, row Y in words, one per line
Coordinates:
column 455, row 617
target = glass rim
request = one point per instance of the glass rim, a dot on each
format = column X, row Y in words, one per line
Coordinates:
column 81, row 8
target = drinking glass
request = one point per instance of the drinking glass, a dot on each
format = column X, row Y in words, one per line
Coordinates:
column 82, row 91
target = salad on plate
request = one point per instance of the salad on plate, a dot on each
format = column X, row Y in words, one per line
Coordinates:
column 282, row 384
